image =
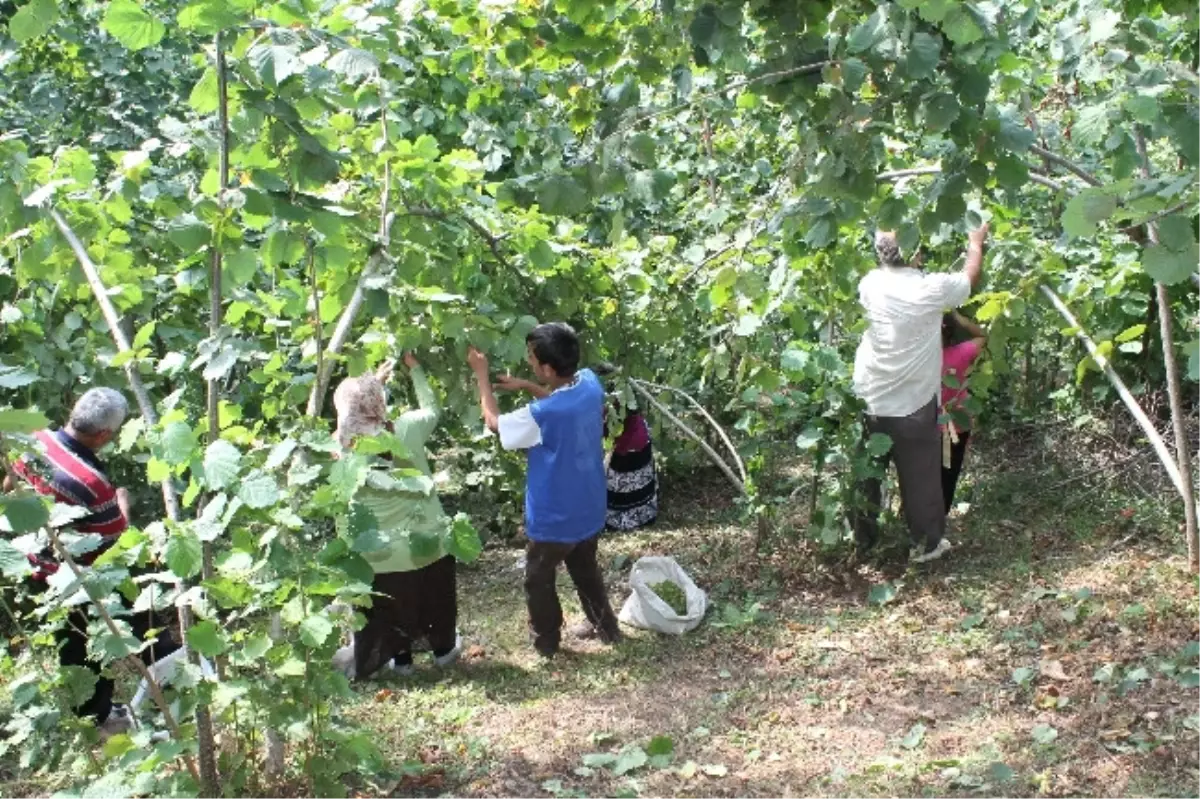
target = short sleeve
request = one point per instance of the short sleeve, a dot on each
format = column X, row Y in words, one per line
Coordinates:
column 950, row 291
column 519, row 430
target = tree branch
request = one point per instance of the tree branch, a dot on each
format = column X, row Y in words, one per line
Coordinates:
column 712, row 454
column 901, row 174
column 737, row 459
column 739, row 84
column 493, row 242
column 1156, row 440
column 1066, row 164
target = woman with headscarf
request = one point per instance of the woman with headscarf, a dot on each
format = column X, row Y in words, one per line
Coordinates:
column 415, row 582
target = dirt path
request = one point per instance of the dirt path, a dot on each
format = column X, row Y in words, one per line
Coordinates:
column 1051, row 657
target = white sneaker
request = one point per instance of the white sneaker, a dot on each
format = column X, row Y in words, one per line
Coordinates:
column 407, row 670
column 343, row 661
column 942, row 548
column 119, row 721
column 453, row 654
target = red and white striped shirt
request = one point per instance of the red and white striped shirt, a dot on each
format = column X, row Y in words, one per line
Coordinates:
column 71, row 473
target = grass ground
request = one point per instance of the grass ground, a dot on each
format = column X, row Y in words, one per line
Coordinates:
column 1053, row 653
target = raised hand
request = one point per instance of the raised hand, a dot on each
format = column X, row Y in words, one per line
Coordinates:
column 510, row 383
column 979, row 235
column 477, row 360
column 411, row 361
column 384, row 373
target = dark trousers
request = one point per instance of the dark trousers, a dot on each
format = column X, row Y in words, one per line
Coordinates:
column 950, row 474
column 541, row 594
column 917, row 453
column 73, row 640
column 407, row 606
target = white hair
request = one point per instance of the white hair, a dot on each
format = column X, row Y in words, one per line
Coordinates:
column 99, row 410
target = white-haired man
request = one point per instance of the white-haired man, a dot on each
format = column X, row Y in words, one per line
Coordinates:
column 897, row 373
column 67, row 468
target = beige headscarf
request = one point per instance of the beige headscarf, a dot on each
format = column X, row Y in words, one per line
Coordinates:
column 361, row 405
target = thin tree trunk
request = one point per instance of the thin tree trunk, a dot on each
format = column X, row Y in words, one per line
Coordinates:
column 210, row 781
column 170, row 497
column 712, row 454
column 1183, row 452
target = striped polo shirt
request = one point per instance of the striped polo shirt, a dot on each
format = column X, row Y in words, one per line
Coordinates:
column 71, row 473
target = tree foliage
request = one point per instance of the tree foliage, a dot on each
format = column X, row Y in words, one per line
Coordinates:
column 691, row 184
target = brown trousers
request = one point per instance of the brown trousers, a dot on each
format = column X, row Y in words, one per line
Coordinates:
column 541, row 594
column 917, row 452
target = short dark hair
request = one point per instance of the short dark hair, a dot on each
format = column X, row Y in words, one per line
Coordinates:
column 556, row 345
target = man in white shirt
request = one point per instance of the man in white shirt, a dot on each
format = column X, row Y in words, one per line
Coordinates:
column 897, row 373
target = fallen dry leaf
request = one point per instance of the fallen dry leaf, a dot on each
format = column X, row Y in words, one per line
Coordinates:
column 1054, row 670
column 474, row 652
column 383, row 695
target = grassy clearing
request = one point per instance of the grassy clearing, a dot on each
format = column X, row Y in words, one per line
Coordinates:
column 1052, row 654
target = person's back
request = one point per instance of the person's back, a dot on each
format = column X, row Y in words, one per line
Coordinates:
column 897, row 373
column 898, row 364
column 566, row 498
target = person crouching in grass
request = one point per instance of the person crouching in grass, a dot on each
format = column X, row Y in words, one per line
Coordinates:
column 566, row 493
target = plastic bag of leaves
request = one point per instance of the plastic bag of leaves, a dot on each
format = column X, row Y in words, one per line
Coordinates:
column 648, row 609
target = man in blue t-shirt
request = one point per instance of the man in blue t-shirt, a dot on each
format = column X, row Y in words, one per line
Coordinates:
column 566, row 492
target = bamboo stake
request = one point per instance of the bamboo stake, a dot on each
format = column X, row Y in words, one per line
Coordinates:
column 737, row 459
column 1139, row 415
column 712, row 454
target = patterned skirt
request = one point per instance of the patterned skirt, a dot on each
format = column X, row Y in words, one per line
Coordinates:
column 632, row 489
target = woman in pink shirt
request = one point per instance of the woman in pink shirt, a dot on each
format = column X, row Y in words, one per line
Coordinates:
column 956, row 421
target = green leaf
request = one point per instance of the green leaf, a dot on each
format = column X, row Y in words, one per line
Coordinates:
column 561, row 195
column 222, row 461
column 206, row 17
column 642, row 149
column 1011, row 172
column 809, row 438
column 184, row 554
column 868, row 33
column 16, row 376
column 314, row 630
column 1169, row 266
column 206, row 638
column 80, row 683
column 259, row 490
column 1130, row 333
column 630, row 759
column 132, row 26
column 1086, row 210
column 1192, row 350
column 599, row 759
column 882, row 593
column 1143, row 108
column 354, row 64
column 879, row 444
column 941, row 112
column 204, row 97
column 1175, row 233
column 822, row 233
column 914, row 737
column 188, row 233
column 178, row 443
column 961, row 27
column 660, row 745
column 924, row 52
column 32, row 20
column 13, row 563
column 241, row 266
column 465, row 544
column 1044, row 734
column 1000, row 772
column 543, row 256
column 22, row 421
column 1023, row 675
column 1091, row 126
column 854, row 73
column 25, row 513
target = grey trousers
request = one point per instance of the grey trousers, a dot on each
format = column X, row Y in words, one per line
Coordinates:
column 917, row 452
